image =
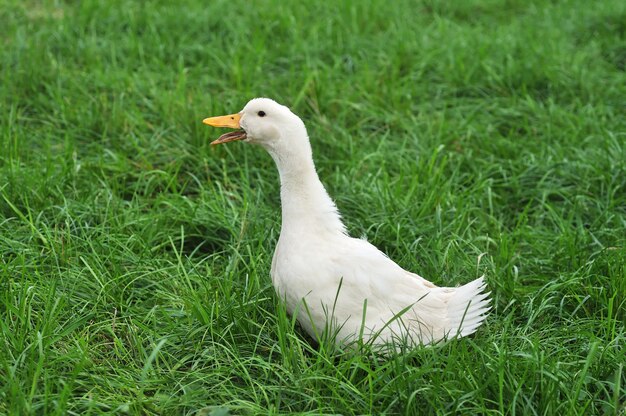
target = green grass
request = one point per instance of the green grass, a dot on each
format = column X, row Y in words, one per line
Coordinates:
column 461, row 138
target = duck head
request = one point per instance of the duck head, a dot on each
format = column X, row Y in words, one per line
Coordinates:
column 262, row 121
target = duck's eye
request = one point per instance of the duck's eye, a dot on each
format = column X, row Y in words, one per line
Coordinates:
column 261, row 113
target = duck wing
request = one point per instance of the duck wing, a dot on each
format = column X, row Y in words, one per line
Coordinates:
column 396, row 302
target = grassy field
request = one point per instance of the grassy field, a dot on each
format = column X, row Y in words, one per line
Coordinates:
column 461, row 138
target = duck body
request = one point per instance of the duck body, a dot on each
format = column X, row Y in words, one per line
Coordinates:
column 338, row 286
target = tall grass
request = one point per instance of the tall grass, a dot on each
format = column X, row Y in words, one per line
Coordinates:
column 461, row 138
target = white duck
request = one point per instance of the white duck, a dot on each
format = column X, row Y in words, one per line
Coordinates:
column 329, row 279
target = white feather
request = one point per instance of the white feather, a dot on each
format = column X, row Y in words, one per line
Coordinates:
column 330, row 279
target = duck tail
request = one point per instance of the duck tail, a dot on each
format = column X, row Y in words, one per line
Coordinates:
column 468, row 308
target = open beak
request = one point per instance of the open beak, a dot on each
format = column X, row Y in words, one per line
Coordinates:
column 230, row 121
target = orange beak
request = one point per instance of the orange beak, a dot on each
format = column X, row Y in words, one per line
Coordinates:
column 230, row 121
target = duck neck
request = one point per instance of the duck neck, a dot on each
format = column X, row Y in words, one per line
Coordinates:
column 306, row 206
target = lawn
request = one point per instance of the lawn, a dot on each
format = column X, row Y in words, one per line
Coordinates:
column 461, row 138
